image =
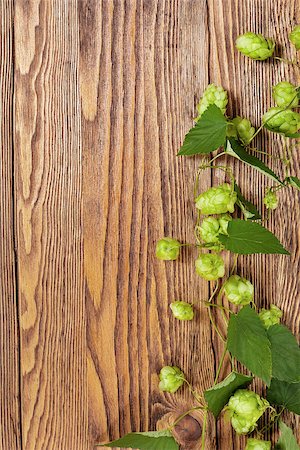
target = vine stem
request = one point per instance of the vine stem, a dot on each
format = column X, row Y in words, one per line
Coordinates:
column 204, row 430
column 286, row 61
column 220, row 364
column 182, row 416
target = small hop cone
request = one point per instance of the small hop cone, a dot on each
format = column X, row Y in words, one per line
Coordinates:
column 285, row 95
column 213, row 95
column 270, row 316
column 244, row 129
column 286, row 122
column 257, row 444
column 270, row 200
column 238, row 290
column 210, row 229
column 255, row 46
column 167, row 249
column 182, row 310
column 217, row 200
column 171, row 379
column 210, row 266
column 245, row 408
column 295, row 37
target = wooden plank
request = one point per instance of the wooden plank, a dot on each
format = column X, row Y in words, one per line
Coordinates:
column 249, row 84
column 9, row 355
column 49, row 227
column 145, row 61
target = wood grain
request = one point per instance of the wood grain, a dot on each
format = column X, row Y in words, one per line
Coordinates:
column 10, row 436
column 104, row 92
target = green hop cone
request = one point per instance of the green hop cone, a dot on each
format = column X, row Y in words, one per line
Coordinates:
column 295, row 37
column 213, row 95
column 286, row 122
column 217, row 200
column 210, row 229
column 238, row 290
column 244, row 129
column 171, row 379
column 245, row 408
column 255, row 46
column 270, row 316
column 167, row 249
column 270, row 200
column 210, row 266
column 257, row 444
column 285, row 95
column 182, row 310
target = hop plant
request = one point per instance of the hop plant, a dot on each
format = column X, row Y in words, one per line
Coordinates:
column 238, row 290
column 255, row 46
column 210, row 229
column 270, row 316
column 295, row 37
column 210, row 266
column 213, row 95
column 217, row 200
column 270, row 200
column 244, row 129
column 285, row 94
column 182, row 310
column 286, row 122
column 167, row 249
column 171, row 379
column 245, row 408
column 257, row 444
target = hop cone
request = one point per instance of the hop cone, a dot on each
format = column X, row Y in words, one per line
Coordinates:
column 245, row 408
column 210, row 229
column 217, row 200
column 171, row 379
column 210, row 266
column 255, row 46
column 257, row 444
column 285, row 94
column 286, row 122
column 295, row 37
column 244, row 129
column 167, row 249
column 270, row 316
column 271, row 200
column 238, row 290
column 182, row 310
column 213, row 95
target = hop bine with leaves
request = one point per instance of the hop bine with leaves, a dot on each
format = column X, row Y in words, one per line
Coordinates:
column 264, row 347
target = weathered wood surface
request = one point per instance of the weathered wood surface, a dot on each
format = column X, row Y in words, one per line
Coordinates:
column 96, row 97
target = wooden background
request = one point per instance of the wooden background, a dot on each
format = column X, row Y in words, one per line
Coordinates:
column 96, row 97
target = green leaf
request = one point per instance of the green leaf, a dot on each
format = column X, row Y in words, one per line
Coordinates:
column 247, row 208
column 287, row 440
column 245, row 237
column 151, row 440
column 293, row 136
column 207, row 135
column 235, row 149
column 293, row 181
column 285, row 354
column 285, row 394
column 248, row 342
column 217, row 396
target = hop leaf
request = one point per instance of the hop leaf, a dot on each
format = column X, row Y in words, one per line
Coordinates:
column 213, row 95
column 217, row 200
column 238, row 290
column 244, row 129
column 286, row 122
column 271, row 200
column 270, row 316
column 295, row 37
column 245, row 408
column 255, row 46
column 167, row 249
column 257, row 444
column 210, row 266
column 285, row 95
column 182, row 310
column 171, row 379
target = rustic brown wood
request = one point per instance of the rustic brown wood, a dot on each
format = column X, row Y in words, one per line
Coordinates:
column 9, row 336
column 104, row 92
